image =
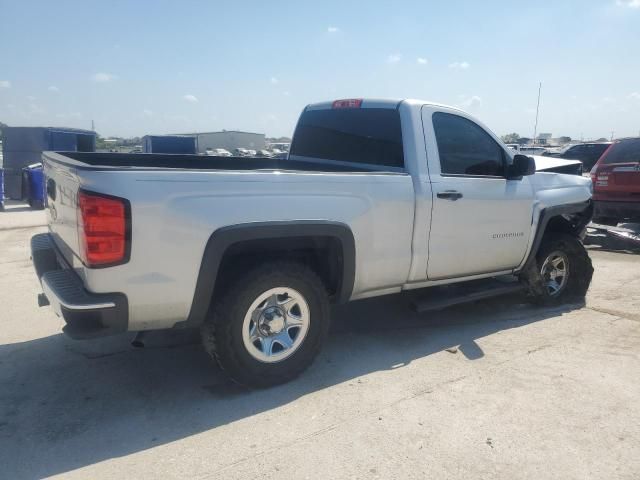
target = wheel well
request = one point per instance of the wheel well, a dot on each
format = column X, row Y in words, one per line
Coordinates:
column 323, row 254
column 572, row 222
column 570, row 219
column 563, row 224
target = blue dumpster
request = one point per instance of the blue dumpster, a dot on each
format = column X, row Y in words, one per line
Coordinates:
column 33, row 186
column 22, row 146
column 1, row 189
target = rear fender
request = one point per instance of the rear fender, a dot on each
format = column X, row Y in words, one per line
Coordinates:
column 224, row 238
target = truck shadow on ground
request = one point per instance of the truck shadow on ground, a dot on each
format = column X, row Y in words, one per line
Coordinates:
column 65, row 405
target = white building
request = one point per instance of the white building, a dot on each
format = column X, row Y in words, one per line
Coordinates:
column 229, row 140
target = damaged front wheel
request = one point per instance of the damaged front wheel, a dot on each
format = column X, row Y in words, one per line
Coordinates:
column 561, row 273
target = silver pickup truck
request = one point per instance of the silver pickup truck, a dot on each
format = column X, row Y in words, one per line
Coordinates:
column 376, row 197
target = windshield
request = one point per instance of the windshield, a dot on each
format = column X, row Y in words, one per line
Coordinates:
column 564, row 149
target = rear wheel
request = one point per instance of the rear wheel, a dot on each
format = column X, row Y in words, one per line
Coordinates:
column 269, row 324
column 562, row 271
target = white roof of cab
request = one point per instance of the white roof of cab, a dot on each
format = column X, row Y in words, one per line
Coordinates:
column 381, row 103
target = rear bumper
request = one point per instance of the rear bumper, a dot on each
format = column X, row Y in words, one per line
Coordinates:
column 87, row 315
column 617, row 210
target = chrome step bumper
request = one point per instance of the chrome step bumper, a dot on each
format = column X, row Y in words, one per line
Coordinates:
column 63, row 288
column 86, row 314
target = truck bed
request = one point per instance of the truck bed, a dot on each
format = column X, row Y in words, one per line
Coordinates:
column 97, row 161
column 175, row 203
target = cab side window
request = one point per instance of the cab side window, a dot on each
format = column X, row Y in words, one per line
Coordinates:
column 465, row 148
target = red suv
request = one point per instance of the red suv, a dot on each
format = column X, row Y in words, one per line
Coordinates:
column 616, row 183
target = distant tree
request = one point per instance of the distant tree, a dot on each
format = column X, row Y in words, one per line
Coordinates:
column 602, row 139
column 511, row 138
column 523, row 140
column 2, row 126
column 564, row 139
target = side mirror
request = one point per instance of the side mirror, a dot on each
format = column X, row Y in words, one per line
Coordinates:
column 521, row 166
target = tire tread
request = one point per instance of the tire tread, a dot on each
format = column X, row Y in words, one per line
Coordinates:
column 219, row 336
column 580, row 270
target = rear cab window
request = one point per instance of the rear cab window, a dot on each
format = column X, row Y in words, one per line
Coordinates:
column 369, row 137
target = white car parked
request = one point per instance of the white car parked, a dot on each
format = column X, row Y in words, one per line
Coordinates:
column 514, row 146
column 219, row 152
column 531, row 150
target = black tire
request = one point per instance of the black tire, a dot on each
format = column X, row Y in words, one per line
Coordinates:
column 609, row 221
column 580, row 271
column 222, row 331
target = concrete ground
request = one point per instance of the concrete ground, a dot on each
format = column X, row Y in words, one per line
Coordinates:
column 497, row 389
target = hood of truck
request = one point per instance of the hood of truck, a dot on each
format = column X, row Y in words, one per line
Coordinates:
column 552, row 163
column 553, row 188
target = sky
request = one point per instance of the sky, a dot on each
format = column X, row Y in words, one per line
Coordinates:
column 144, row 67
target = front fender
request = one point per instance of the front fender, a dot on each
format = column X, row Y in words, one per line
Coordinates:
column 575, row 217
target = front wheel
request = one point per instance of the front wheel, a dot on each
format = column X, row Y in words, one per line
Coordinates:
column 561, row 273
column 268, row 326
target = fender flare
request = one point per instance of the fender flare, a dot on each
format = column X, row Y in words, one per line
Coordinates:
column 223, row 238
column 585, row 209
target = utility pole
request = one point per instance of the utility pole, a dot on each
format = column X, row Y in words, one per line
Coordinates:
column 93, row 127
column 612, row 135
column 535, row 128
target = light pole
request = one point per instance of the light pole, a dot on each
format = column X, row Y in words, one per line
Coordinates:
column 535, row 128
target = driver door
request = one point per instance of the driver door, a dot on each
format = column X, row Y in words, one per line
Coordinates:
column 481, row 221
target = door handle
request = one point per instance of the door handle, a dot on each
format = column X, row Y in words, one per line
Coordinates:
column 450, row 195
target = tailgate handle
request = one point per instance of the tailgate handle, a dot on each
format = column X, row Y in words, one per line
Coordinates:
column 450, row 195
column 51, row 189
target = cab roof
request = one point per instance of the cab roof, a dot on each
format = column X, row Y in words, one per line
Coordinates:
column 391, row 103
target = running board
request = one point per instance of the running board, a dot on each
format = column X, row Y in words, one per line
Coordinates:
column 437, row 298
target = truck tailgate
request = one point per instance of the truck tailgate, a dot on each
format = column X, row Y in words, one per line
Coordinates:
column 62, row 191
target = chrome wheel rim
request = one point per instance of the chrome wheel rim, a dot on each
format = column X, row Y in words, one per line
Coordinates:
column 555, row 272
column 276, row 324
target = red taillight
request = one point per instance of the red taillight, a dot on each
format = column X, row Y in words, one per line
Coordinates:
column 349, row 103
column 103, row 229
